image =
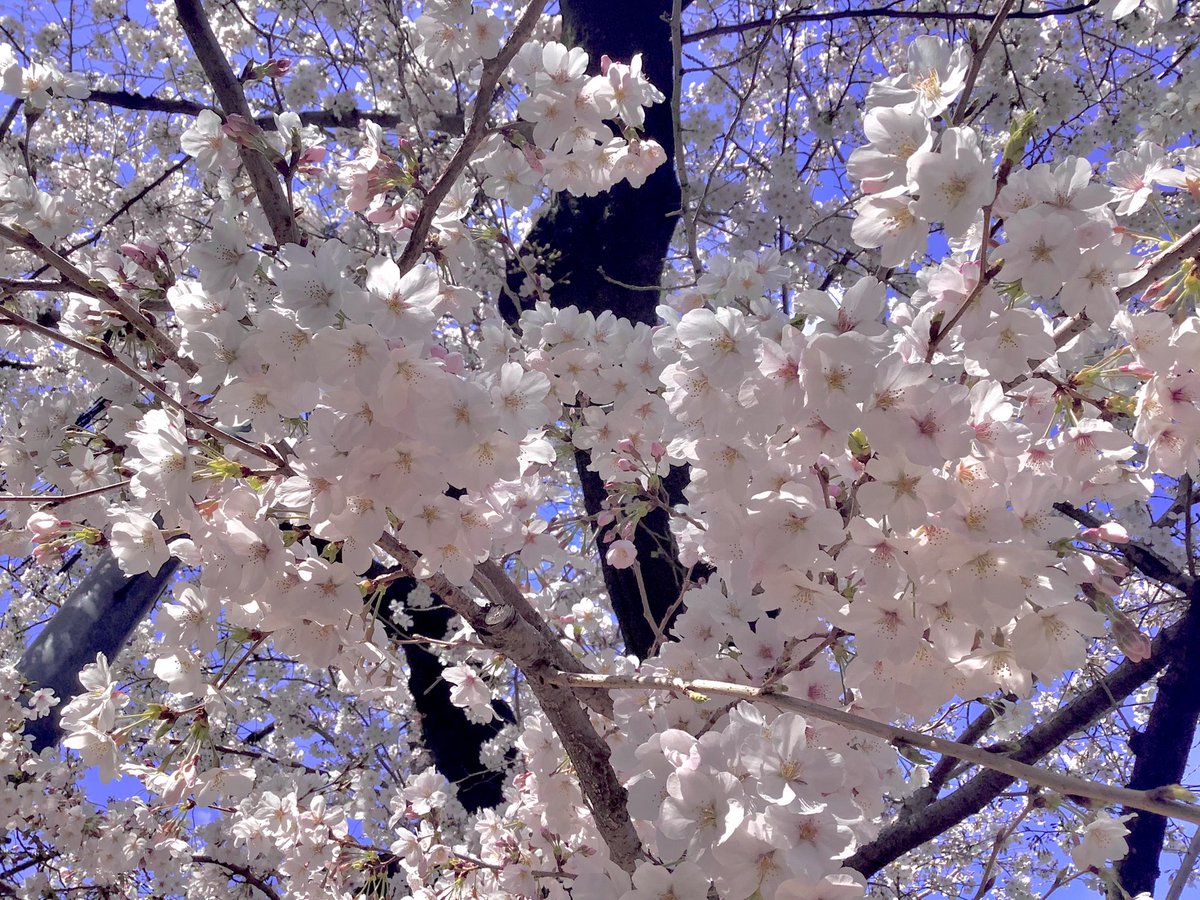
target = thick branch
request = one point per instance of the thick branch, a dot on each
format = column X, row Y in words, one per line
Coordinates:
column 271, row 196
column 1161, row 754
column 1067, row 785
column 243, row 872
column 502, row 628
column 1137, row 554
column 910, row 831
column 97, row 618
column 606, row 253
column 454, row 741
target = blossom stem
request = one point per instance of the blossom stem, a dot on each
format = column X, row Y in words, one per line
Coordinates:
column 960, row 112
column 55, row 499
column 1154, row 801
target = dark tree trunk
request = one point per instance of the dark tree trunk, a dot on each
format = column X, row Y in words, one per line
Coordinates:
column 98, row 617
column 1160, row 754
column 453, row 741
column 609, row 253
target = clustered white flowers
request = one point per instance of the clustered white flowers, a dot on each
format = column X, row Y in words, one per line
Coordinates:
column 872, row 481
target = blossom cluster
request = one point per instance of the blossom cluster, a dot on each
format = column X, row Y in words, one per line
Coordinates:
column 869, row 520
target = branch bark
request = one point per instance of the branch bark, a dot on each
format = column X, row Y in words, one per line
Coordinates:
column 1160, row 755
column 608, row 255
column 915, row 827
column 489, row 79
column 996, row 761
column 503, row 627
column 98, row 289
column 229, row 93
column 321, row 118
column 98, row 617
column 910, row 831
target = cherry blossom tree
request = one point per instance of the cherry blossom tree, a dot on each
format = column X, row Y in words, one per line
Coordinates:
column 638, row 449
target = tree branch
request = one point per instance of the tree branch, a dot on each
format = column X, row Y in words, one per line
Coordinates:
column 1151, row 800
column 489, row 79
column 910, row 831
column 1160, row 756
column 321, row 118
column 103, row 351
column 1137, row 554
column 98, row 617
column 243, row 872
column 271, row 197
column 878, row 12
column 502, row 628
column 94, row 287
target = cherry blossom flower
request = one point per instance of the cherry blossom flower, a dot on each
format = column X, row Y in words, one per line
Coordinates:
column 1133, row 176
column 138, row 544
column 953, row 183
column 1102, row 839
column 936, row 76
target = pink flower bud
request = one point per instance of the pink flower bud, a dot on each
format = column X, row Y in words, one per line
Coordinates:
column 626, row 465
column 657, row 450
column 137, row 254
column 1135, row 645
column 534, row 157
column 1109, row 532
column 625, row 445
column 1136, row 369
column 605, row 62
column 605, row 517
column 275, row 68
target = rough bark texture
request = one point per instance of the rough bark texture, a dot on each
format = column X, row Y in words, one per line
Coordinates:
column 1161, row 751
column 453, row 741
column 608, row 254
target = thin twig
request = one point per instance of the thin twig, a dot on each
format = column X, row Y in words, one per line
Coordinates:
column 960, row 112
column 55, row 499
column 878, row 12
column 1187, row 866
column 685, row 187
